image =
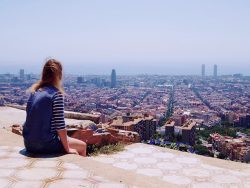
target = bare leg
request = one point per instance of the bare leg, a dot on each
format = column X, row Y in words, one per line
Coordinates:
column 79, row 145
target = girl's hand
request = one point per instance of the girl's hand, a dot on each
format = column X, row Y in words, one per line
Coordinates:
column 73, row 151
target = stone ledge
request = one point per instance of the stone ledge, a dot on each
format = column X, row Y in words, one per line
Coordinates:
column 68, row 114
column 10, row 116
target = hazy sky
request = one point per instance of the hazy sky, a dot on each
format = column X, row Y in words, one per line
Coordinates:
column 132, row 36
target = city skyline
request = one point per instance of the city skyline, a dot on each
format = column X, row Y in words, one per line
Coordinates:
column 152, row 37
column 212, row 71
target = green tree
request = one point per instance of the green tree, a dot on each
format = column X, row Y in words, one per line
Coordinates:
column 202, row 150
column 221, row 156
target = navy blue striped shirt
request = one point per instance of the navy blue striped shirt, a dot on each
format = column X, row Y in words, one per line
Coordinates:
column 45, row 115
column 57, row 121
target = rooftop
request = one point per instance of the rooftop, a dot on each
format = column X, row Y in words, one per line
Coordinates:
column 140, row 165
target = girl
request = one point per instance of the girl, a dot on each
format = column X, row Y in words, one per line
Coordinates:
column 44, row 129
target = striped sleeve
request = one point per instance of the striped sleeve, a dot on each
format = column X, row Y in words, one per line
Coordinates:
column 58, row 122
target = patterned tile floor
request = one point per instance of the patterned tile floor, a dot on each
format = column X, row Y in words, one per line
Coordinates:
column 19, row 171
column 176, row 168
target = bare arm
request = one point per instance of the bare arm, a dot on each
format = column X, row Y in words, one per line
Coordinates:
column 58, row 122
column 64, row 139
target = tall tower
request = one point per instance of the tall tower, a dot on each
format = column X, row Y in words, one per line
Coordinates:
column 203, row 70
column 215, row 70
column 79, row 79
column 21, row 74
column 113, row 78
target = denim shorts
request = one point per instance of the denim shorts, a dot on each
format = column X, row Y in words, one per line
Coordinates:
column 52, row 147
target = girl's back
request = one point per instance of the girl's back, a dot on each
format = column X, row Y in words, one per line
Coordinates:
column 37, row 127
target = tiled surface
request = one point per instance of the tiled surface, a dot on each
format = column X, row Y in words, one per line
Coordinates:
column 178, row 169
column 19, row 171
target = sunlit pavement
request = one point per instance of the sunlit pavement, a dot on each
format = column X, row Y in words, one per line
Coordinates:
column 19, row 171
column 177, row 168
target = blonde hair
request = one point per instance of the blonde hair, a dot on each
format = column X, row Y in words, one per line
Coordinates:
column 51, row 75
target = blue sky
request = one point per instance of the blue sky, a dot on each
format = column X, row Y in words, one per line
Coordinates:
column 132, row 36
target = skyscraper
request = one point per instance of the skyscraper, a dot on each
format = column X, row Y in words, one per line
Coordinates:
column 203, row 70
column 21, row 74
column 113, row 78
column 215, row 70
column 80, row 79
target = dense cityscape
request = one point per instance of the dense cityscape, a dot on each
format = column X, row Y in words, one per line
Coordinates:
column 204, row 114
